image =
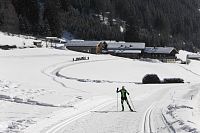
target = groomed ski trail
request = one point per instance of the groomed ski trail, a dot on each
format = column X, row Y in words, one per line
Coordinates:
column 147, row 120
column 61, row 125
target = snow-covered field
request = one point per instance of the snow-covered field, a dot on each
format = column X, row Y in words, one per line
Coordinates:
column 44, row 90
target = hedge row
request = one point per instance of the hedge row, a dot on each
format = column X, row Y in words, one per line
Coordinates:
column 154, row 79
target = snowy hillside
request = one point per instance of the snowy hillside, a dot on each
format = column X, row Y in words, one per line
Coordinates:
column 18, row 40
column 44, row 90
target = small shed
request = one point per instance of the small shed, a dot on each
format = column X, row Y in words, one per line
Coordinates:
column 37, row 43
column 164, row 54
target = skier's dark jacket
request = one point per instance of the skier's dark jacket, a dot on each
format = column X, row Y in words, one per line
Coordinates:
column 123, row 93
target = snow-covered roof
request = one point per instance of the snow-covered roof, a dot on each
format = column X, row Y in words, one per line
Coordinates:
column 159, row 50
column 37, row 41
column 82, row 43
column 126, row 45
column 55, row 38
column 193, row 56
column 111, row 44
column 77, row 40
column 128, row 51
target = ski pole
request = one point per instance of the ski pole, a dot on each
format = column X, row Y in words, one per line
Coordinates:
column 117, row 102
column 131, row 102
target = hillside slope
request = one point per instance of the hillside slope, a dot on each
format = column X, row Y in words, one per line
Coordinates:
column 158, row 23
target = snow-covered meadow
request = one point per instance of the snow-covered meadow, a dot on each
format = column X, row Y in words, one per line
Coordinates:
column 44, row 90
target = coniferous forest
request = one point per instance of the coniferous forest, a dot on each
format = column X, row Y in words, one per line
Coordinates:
column 155, row 22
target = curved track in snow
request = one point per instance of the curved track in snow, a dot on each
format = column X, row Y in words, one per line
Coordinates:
column 53, row 71
column 147, row 120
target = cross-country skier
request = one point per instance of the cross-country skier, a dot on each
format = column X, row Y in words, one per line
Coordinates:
column 124, row 97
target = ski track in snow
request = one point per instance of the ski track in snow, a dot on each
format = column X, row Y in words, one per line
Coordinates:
column 61, row 125
column 190, row 71
column 62, row 65
column 148, row 124
column 169, row 126
column 170, row 112
column 50, row 72
column 7, row 88
column 147, row 121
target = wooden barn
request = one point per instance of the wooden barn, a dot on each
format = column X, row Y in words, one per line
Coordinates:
column 93, row 47
column 164, row 54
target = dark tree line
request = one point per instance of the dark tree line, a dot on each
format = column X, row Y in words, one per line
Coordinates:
column 156, row 22
column 8, row 17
